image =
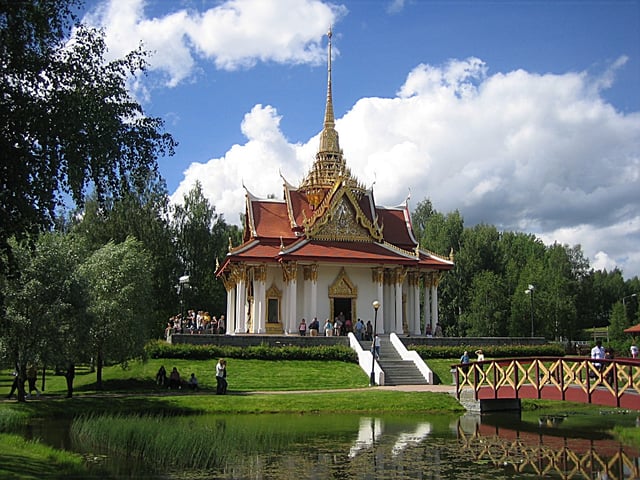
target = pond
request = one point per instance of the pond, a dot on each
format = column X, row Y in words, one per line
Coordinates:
column 502, row 446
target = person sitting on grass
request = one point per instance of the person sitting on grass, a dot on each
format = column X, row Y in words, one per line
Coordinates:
column 193, row 382
column 161, row 376
column 174, row 379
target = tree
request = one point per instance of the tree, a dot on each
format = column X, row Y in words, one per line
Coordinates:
column 489, row 306
column 119, row 291
column 44, row 305
column 67, row 120
column 618, row 323
column 202, row 238
column 143, row 215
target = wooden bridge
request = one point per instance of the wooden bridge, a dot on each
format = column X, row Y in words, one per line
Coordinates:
column 614, row 383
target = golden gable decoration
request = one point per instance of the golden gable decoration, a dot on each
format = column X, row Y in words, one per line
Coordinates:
column 343, row 287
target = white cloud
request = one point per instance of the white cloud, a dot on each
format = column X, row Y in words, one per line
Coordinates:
column 538, row 153
column 233, row 34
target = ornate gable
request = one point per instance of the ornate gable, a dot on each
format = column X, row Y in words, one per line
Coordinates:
column 342, row 219
column 343, row 287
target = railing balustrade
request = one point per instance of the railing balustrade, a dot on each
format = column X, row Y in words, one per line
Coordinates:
column 613, row 382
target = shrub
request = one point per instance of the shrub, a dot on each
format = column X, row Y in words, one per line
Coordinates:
column 490, row 351
column 162, row 349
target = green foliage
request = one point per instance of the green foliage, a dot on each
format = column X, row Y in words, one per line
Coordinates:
column 162, row 349
column 68, row 120
column 202, row 238
column 119, row 286
column 490, row 351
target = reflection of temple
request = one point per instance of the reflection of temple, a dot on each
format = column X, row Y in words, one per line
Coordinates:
column 327, row 249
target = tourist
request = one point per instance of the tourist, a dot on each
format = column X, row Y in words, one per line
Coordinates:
column 14, row 384
column 359, row 329
column 634, row 350
column 174, row 379
column 161, row 376
column 302, row 328
column 32, row 378
column 464, row 360
column 70, row 375
column 597, row 353
column 348, row 326
column 376, row 347
column 221, row 325
column 328, row 328
column 337, row 326
column 314, row 326
column 479, row 355
column 368, row 335
column 428, row 331
column 438, row 331
column 193, row 382
column 221, row 377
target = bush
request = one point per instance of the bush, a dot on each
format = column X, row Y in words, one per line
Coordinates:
column 162, row 349
column 490, row 351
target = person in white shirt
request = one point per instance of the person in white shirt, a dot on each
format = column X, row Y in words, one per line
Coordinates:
column 597, row 353
column 634, row 351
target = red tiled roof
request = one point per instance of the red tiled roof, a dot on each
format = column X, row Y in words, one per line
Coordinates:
column 271, row 219
column 357, row 252
column 395, row 228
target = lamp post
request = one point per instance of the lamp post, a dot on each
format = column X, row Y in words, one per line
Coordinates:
column 624, row 305
column 529, row 291
column 628, row 296
column 183, row 283
column 372, row 379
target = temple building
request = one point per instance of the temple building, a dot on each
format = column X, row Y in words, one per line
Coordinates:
column 327, row 250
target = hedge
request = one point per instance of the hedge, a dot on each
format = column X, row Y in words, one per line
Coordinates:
column 490, row 351
column 162, row 349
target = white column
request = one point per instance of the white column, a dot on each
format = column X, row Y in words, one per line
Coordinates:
column 313, row 312
column 259, row 299
column 434, row 304
column 231, row 312
column 241, row 294
column 398, row 328
column 292, row 320
column 378, row 282
column 427, row 306
column 289, row 276
column 415, row 290
column 381, row 309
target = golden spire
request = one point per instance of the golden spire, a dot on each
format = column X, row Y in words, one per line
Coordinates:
column 329, row 137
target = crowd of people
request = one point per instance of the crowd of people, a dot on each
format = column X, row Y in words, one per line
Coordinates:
column 339, row 326
column 195, row 322
column 174, row 381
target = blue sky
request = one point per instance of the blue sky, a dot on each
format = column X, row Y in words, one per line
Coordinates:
column 521, row 114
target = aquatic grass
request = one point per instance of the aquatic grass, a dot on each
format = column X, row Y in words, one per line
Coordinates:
column 195, row 442
column 25, row 459
column 12, row 418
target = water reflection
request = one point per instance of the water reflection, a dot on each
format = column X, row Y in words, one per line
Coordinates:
column 343, row 447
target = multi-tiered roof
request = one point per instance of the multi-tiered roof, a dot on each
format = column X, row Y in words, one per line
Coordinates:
column 329, row 218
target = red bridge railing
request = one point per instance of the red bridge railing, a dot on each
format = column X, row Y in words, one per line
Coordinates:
column 577, row 379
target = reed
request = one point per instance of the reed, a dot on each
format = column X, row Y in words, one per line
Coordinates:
column 195, row 442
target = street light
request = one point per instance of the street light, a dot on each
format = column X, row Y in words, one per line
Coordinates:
column 376, row 306
column 628, row 296
column 529, row 291
column 183, row 283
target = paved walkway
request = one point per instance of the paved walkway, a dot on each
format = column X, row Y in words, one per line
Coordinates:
column 450, row 389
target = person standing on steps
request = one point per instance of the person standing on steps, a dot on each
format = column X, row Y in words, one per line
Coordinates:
column 376, row 347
